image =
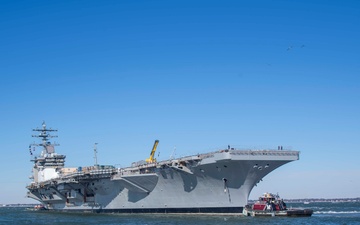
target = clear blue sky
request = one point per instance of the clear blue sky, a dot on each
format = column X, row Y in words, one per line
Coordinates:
column 197, row 75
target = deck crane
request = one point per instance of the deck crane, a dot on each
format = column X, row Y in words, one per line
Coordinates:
column 151, row 159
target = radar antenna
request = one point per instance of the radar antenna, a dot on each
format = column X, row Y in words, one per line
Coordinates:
column 95, row 154
column 45, row 137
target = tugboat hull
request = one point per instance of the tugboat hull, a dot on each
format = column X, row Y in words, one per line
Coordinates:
column 290, row 213
column 272, row 205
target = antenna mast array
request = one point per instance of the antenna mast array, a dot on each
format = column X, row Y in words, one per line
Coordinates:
column 95, row 154
column 45, row 137
column 48, row 157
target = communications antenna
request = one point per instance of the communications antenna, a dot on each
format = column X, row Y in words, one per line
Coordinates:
column 95, row 154
column 45, row 136
column 173, row 153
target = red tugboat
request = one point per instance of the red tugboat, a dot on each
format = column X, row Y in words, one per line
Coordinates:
column 272, row 205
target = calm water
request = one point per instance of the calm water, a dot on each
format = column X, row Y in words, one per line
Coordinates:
column 324, row 213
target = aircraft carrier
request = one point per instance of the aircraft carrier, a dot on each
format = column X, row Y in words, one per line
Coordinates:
column 213, row 182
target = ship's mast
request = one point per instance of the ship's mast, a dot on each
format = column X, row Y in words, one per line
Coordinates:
column 48, row 157
column 45, row 136
column 95, row 154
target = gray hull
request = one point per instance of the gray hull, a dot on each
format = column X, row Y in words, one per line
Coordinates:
column 217, row 182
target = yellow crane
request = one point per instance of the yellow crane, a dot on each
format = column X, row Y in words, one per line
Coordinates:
column 151, row 159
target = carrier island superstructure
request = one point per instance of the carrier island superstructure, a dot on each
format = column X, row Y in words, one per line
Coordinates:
column 213, row 182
